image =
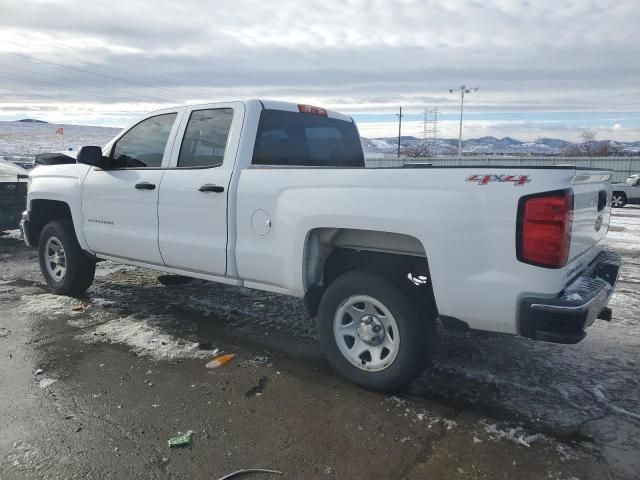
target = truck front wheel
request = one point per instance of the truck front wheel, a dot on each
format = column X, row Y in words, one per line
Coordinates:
column 373, row 333
column 65, row 267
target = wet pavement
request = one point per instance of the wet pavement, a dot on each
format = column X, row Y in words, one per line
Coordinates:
column 93, row 387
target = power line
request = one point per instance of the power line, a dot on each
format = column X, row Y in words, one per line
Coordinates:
column 53, row 100
column 136, row 96
column 31, row 57
column 43, row 82
column 31, row 94
column 69, row 67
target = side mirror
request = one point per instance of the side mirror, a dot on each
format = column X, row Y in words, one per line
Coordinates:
column 91, row 156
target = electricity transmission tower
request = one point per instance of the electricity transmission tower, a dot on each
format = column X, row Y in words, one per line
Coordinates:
column 430, row 130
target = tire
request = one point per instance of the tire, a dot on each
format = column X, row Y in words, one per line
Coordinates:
column 618, row 199
column 58, row 247
column 408, row 337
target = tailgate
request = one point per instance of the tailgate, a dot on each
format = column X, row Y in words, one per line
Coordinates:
column 591, row 200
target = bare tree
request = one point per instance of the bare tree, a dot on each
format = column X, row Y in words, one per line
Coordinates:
column 416, row 150
column 589, row 147
column 588, row 137
column 607, row 149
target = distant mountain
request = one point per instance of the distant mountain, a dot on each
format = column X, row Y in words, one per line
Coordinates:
column 31, row 120
column 489, row 146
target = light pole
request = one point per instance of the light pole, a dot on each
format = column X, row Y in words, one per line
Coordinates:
column 399, row 115
column 462, row 89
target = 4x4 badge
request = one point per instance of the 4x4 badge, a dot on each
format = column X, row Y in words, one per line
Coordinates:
column 517, row 180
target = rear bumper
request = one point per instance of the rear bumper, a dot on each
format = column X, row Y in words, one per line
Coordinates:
column 563, row 319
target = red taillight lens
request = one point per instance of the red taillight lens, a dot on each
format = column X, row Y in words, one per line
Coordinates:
column 544, row 223
column 313, row 110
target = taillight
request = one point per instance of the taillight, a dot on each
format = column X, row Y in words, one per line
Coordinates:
column 313, row 110
column 544, row 228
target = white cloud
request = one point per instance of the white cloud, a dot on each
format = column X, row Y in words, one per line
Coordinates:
column 108, row 60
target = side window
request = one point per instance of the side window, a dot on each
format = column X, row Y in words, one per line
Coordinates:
column 143, row 145
column 205, row 138
column 307, row 140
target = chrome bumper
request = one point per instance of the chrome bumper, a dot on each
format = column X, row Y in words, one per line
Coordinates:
column 24, row 228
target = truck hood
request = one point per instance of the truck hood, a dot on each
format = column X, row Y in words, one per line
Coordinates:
column 71, row 170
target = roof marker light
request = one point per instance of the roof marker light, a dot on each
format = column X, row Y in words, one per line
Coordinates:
column 312, row 110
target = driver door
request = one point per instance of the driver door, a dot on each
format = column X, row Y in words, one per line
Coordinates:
column 120, row 203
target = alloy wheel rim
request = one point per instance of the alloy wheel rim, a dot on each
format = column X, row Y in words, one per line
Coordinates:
column 55, row 259
column 616, row 200
column 366, row 333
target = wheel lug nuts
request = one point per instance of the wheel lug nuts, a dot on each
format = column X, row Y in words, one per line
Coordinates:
column 377, row 328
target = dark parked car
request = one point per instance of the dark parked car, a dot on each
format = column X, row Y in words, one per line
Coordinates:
column 13, row 195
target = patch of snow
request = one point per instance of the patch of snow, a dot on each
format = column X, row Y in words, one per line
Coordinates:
column 103, row 302
column 108, row 267
column 427, row 418
column 13, row 234
column 46, row 382
column 625, row 412
column 145, row 337
column 517, row 435
column 598, row 393
column 47, row 303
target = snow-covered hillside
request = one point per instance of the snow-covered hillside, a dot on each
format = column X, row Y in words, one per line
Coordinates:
column 26, row 139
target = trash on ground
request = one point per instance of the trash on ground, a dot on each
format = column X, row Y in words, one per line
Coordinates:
column 259, row 360
column 180, row 440
column 206, row 345
column 76, row 308
column 257, row 389
column 39, row 371
column 45, row 382
column 4, row 332
column 221, row 360
column 237, row 473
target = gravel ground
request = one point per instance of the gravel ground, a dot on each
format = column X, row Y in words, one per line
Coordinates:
column 122, row 371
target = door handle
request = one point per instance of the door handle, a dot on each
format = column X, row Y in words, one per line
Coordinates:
column 210, row 187
column 145, row 186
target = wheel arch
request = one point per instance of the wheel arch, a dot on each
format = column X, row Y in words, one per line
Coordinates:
column 43, row 211
column 330, row 252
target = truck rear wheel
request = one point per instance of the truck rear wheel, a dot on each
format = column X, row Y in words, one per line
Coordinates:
column 65, row 267
column 372, row 332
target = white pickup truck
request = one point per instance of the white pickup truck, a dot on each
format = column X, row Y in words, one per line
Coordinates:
column 276, row 196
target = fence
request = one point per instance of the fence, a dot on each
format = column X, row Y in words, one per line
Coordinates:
column 621, row 167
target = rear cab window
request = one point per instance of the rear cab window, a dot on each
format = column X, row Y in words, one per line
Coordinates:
column 306, row 140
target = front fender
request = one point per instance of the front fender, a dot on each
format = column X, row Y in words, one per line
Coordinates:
column 62, row 183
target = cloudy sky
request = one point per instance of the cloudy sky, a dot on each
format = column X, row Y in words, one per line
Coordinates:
column 544, row 67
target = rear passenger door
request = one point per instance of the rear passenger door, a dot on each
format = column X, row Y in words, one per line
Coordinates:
column 192, row 206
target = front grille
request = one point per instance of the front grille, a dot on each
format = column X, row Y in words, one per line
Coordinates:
column 13, row 193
